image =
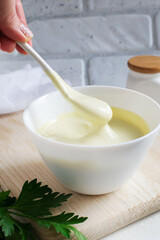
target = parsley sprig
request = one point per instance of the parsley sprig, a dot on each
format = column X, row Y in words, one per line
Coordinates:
column 34, row 203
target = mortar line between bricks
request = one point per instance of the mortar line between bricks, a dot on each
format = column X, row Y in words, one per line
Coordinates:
column 145, row 11
column 87, row 71
column 83, row 57
column 85, row 7
column 152, row 33
column 93, row 55
column 155, row 42
column 149, row 12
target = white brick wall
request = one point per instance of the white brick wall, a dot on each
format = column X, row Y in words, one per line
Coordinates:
column 92, row 34
column 69, row 69
column 108, row 71
column 51, row 8
column 90, row 41
column 158, row 29
column 122, row 5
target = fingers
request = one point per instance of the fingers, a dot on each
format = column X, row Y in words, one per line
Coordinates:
column 22, row 18
column 7, row 44
column 20, row 50
column 16, row 31
column 21, row 15
column 10, row 24
column 20, row 12
column 30, row 42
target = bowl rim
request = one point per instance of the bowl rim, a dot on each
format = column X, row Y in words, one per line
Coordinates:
column 70, row 145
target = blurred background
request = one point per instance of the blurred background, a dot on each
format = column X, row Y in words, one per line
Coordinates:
column 89, row 41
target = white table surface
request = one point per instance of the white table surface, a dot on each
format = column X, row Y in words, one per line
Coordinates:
column 145, row 229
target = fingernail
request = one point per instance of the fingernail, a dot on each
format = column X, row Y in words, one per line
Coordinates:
column 26, row 31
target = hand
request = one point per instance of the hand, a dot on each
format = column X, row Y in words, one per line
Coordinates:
column 13, row 26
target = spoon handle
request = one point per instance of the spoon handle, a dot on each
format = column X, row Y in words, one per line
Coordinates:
column 35, row 55
column 56, row 79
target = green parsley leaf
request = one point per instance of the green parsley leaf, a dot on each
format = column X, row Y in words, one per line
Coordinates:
column 6, row 222
column 12, row 228
column 5, row 199
column 36, row 200
column 1, row 234
column 15, row 236
column 26, row 231
column 61, row 222
column 78, row 234
column 63, row 218
column 34, row 203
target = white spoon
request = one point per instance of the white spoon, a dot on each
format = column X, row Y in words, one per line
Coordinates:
column 89, row 107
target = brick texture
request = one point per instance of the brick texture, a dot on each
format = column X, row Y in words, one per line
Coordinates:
column 110, row 71
column 89, row 41
column 92, row 34
column 69, row 69
column 158, row 30
column 50, row 8
column 121, row 5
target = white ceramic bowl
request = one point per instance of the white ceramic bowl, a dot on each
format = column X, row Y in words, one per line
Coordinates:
column 93, row 169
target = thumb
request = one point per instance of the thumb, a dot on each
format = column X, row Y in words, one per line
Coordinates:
column 10, row 24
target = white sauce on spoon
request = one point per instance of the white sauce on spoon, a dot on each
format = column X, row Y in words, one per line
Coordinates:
column 89, row 107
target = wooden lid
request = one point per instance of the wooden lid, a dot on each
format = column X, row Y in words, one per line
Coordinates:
column 145, row 64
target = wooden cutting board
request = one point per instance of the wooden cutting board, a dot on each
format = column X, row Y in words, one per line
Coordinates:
column 20, row 161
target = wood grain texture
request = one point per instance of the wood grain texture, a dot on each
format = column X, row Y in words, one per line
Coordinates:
column 145, row 64
column 20, row 161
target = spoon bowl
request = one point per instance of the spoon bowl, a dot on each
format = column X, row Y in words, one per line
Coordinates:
column 91, row 108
